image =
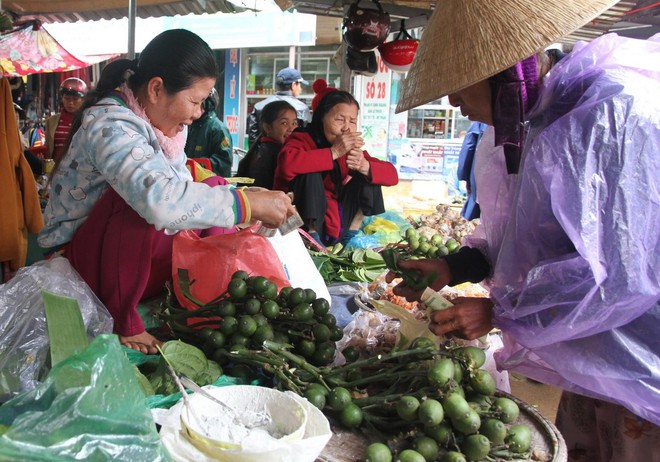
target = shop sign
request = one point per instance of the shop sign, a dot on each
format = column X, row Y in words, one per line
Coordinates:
column 374, row 98
column 219, row 30
column 417, row 159
column 231, row 99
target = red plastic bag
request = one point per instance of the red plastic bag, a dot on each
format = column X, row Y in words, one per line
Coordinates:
column 211, row 261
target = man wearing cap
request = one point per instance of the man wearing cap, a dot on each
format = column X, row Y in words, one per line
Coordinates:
column 288, row 84
column 72, row 91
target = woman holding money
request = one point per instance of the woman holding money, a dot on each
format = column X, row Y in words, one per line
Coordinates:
column 121, row 189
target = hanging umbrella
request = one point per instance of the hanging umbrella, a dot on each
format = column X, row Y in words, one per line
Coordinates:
column 29, row 49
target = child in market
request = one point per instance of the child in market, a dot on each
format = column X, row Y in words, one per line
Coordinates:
column 278, row 120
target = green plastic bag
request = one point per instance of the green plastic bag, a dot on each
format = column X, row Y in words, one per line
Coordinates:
column 90, row 407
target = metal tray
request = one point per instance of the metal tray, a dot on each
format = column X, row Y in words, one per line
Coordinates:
column 547, row 443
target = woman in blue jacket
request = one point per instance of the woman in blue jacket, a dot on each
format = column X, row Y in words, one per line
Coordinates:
column 121, row 189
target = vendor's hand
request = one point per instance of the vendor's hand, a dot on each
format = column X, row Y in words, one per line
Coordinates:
column 423, row 267
column 345, row 142
column 355, row 160
column 272, row 208
column 469, row 318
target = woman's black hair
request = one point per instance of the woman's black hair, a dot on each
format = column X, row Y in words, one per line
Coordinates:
column 272, row 110
column 555, row 55
column 211, row 103
column 268, row 115
column 177, row 56
column 329, row 100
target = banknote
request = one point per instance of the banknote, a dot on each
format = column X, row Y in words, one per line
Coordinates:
column 266, row 232
column 292, row 223
column 434, row 300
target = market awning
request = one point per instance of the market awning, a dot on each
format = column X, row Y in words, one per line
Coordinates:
column 29, row 49
column 91, row 10
column 632, row 18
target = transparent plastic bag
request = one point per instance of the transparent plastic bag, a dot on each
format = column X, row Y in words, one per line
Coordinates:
column 24, row 342
column 387, row 222
column 575, row 248
column 379, row 230
column 90, row 407
column 370, row 332
column 343, row 304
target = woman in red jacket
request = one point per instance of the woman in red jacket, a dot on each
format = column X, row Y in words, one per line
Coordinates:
column 334, row 182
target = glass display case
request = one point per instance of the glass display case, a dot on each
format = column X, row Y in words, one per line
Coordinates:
column 262, row 68
column 437, row 120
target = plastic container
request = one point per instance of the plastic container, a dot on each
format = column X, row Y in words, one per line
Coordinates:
column 317, row 433
column 217, row 433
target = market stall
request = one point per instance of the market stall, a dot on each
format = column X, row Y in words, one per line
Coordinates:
column 29, row 49
column 360, row 362
column 273, row 350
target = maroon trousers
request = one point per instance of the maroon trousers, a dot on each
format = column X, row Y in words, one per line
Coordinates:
column 123, row 258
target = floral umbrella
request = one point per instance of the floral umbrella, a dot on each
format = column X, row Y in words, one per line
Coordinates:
column 30, row 49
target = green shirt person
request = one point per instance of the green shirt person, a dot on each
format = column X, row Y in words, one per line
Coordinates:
column 209, row 137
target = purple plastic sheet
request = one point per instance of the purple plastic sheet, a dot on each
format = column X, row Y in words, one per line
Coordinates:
column 576, row 252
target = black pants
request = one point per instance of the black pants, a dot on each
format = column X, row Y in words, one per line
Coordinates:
column 358, row 194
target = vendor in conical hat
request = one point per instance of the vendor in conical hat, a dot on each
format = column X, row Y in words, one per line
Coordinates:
column 572, row 260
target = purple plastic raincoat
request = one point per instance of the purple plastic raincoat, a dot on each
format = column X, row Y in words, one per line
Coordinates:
column 576, row 277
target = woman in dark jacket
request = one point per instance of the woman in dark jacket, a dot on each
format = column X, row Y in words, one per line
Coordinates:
column 278, row 120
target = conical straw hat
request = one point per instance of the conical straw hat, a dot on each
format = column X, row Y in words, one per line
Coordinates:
column 467, row 41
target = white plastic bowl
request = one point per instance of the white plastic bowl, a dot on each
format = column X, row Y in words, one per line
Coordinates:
column 214, row 431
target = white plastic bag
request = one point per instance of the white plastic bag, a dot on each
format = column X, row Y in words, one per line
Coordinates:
column 298, row 264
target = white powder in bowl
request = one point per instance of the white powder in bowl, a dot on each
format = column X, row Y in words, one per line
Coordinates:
column 265, row 418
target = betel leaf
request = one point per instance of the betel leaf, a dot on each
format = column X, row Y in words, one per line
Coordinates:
column 374, row 259
column 358, row 265
column 325, row 267
column 318, row 260
column 352, row 275
column 186, row 360
column 211, row 374
column 412, row 278
column 143, row 381
column 371, row 274
column 358, row 256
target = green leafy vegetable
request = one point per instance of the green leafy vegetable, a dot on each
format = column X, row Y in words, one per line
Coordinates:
column 66, row 329
column 186, row 360
column 412, row 278
column 143, row 381
column 358, row 265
